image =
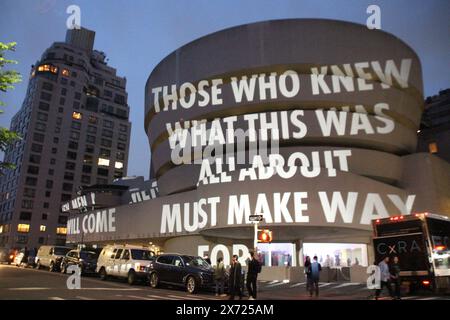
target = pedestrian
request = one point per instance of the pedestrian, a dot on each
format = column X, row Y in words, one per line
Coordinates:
column 219, row 277
column 384, row 278
column 308, row 272
column 254, row 267
column 395, row 276
column 315, row 275
column 235, row 278
column 207, row 259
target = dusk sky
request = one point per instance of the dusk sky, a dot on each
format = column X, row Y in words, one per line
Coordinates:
column 137, row 34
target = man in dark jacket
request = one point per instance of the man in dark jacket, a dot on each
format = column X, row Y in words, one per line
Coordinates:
column 254, row 267
column 395, row 276
column 235, row 278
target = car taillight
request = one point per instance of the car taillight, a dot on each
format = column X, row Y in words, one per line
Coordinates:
column 11, row 257
column 142, row 268
column 426, row 282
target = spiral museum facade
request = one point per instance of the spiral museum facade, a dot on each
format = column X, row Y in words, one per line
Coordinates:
column 340, row 105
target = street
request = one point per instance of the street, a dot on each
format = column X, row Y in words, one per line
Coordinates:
column 31, row 284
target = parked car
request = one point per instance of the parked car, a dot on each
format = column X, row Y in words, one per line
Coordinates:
column 50, row 257
column 6, row 256
column 124, row 261
column 25, row 257
column 191, row 272
column 85, row 260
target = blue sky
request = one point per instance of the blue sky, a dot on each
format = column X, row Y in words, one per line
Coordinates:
column 137, row 34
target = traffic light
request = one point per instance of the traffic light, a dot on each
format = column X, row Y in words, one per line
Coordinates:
column 264, row 235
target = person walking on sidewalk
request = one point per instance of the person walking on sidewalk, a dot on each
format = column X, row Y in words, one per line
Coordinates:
column 219, row 277
column 254, row 267
column 395, row 276
column 315, row 275
column 308, row 272
column 385, row 277
column 235, row 278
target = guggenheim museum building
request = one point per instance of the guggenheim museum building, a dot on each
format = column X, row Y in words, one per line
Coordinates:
column 307, row 124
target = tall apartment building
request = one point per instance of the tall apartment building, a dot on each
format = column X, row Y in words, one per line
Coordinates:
column 76, row 132
column 434, row 133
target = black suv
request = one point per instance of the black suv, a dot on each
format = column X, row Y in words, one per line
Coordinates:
column 86, row 260
column 190, row 272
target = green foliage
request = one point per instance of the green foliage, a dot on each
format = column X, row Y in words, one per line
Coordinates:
column 7, row 80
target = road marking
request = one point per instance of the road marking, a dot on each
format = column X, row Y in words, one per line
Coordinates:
column 429, row 298
column 210, row 298
column 113, row 289
column 347, row 285
column 275, row 284
column 56, row 298
column 141, row 298
column 324, row 285
column 410, row 297
column 184, row 297
column 26, row 289
column 156, row 297
column 297, row 284
column 84, row 298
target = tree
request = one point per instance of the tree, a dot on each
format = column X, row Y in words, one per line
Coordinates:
column 7, row 80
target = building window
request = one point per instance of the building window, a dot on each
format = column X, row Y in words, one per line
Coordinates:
column 47, row 68
column 67, row 187
column 28, row 192
column 36, row 147
column 77, row 95
column 70, row 165
column 25, row 215
column 432, row 147
column 103, row 162
column 73, row 145
column 120, row 156
column 46, row 205
column 68, row 176
column 118, row 165
column 106, row 143
column 47, row 86
column 89, row 149
column 55, row 140
column 44, row 216
column 123, row 137
column 41, row 240
column 52, row 161
column 38, row 137
column 92, row 119
column 105, row 153
column 87, row 158
column 90, row 139
column 33, row 170
column 62, row 101
column 29, row 181
column 102, row 181
column 61, row 230
column 63, row 91
column 65, row 72
column 107, row 133
column 42, row 228
column 63, row 81
column 34, row 158
column 86, row 179
column 121, row 146
column 23, row 227
column 40, row 126
column 42, row 116
column 62, row 220
column 76, row 125
column 77, row 115
column 102, row 172
column 74, row 135
column 59, row 121
column 87, row 169
column 71, row 155
column 92, row 129
column 46, row 96
column 123, row 128
column 54, row 150
column 49, row 184
column 47, row 194
column 108, row 124
column 44, row 106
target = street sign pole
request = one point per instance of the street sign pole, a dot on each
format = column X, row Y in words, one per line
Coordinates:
column 256, row 219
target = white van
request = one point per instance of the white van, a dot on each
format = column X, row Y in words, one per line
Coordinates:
column 124, row 261
column 50, row 257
